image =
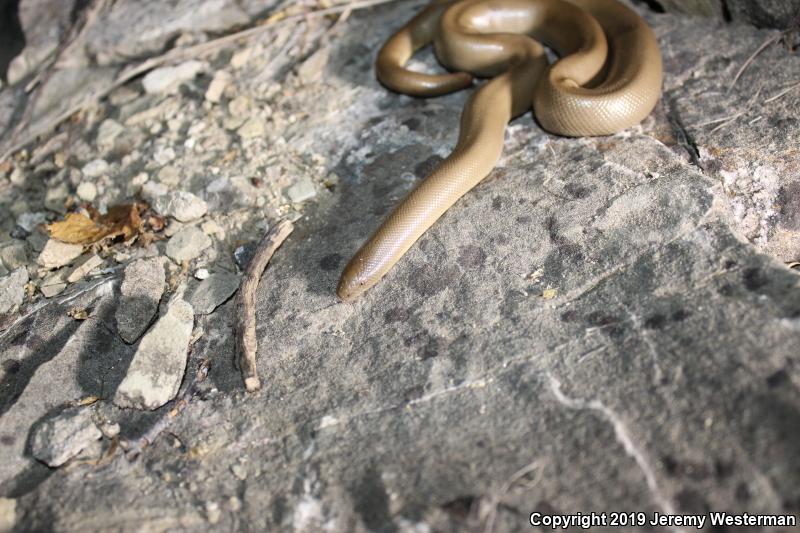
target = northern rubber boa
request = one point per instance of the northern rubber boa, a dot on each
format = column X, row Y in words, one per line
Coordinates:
column 607, row 78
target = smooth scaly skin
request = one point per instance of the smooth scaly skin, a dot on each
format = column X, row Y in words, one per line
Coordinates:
column 608, row 78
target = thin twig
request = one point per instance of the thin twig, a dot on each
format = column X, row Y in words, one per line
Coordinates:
column 180, row 403
column 769, row 42
column 245, row 303
column 782, row 93
column 177, row 55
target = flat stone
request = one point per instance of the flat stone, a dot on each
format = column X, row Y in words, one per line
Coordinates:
column 140, row 293
column 53, row 285
column 83, row 267
column 56, row 254
column 95, row 168
column 12, row 290
column 182, row 206
column 14, row 255
column 156, row 371
column 213, row 291
column 29, row 221
column 187, row 244
column 57, row 440
column 303, row 189
column 167, row 79
column 252, row 128
column 107, row 133
column 313, row 68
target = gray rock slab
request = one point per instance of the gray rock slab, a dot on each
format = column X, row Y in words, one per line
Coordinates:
column 12, row 290
column 47, row 360
column 140, row 293
column 743, row 138
column 187, row 244
column 213, row 291
column 589, row 329
column 57, row 440
column 144, row 29
column 157, row 368
column 43, row 23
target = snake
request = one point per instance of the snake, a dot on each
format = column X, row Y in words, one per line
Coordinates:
column 607, row 77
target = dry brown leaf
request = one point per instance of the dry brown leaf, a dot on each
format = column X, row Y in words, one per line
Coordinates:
column 78, row 313
column 76, row 228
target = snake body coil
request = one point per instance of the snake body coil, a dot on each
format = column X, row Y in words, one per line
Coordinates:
column 607, row 78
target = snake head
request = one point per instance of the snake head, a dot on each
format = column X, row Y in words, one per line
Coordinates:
column 354, row 280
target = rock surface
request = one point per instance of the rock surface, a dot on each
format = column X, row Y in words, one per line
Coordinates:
column 602, row 324
column 762, row 13
column 140, row 294
column 12, row 290
column 156, row 371
column 59, row 439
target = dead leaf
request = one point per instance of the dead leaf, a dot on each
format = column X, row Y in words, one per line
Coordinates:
column 76, row 228
column 78, row 313
column 87, row 400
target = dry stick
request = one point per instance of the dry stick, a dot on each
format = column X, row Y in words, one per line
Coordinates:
column 782, row 93
column 245, row 303
column 176, row 55
column 769, row 42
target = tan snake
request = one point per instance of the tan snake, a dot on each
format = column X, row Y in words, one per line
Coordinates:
column 607, row 78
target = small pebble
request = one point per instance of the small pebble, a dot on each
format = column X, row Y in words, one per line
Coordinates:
column 167, row 79
column 244, row 254
column 95, row 168
column 217, row 86
column 302, row 190
column 87, row 191
column 201, row 274
column 240, row 58
column 252, row 128
column 187, row 244
column 29, row 221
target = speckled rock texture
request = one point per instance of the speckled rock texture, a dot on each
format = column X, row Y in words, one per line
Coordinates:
column 762, row 13
column 601, row 325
